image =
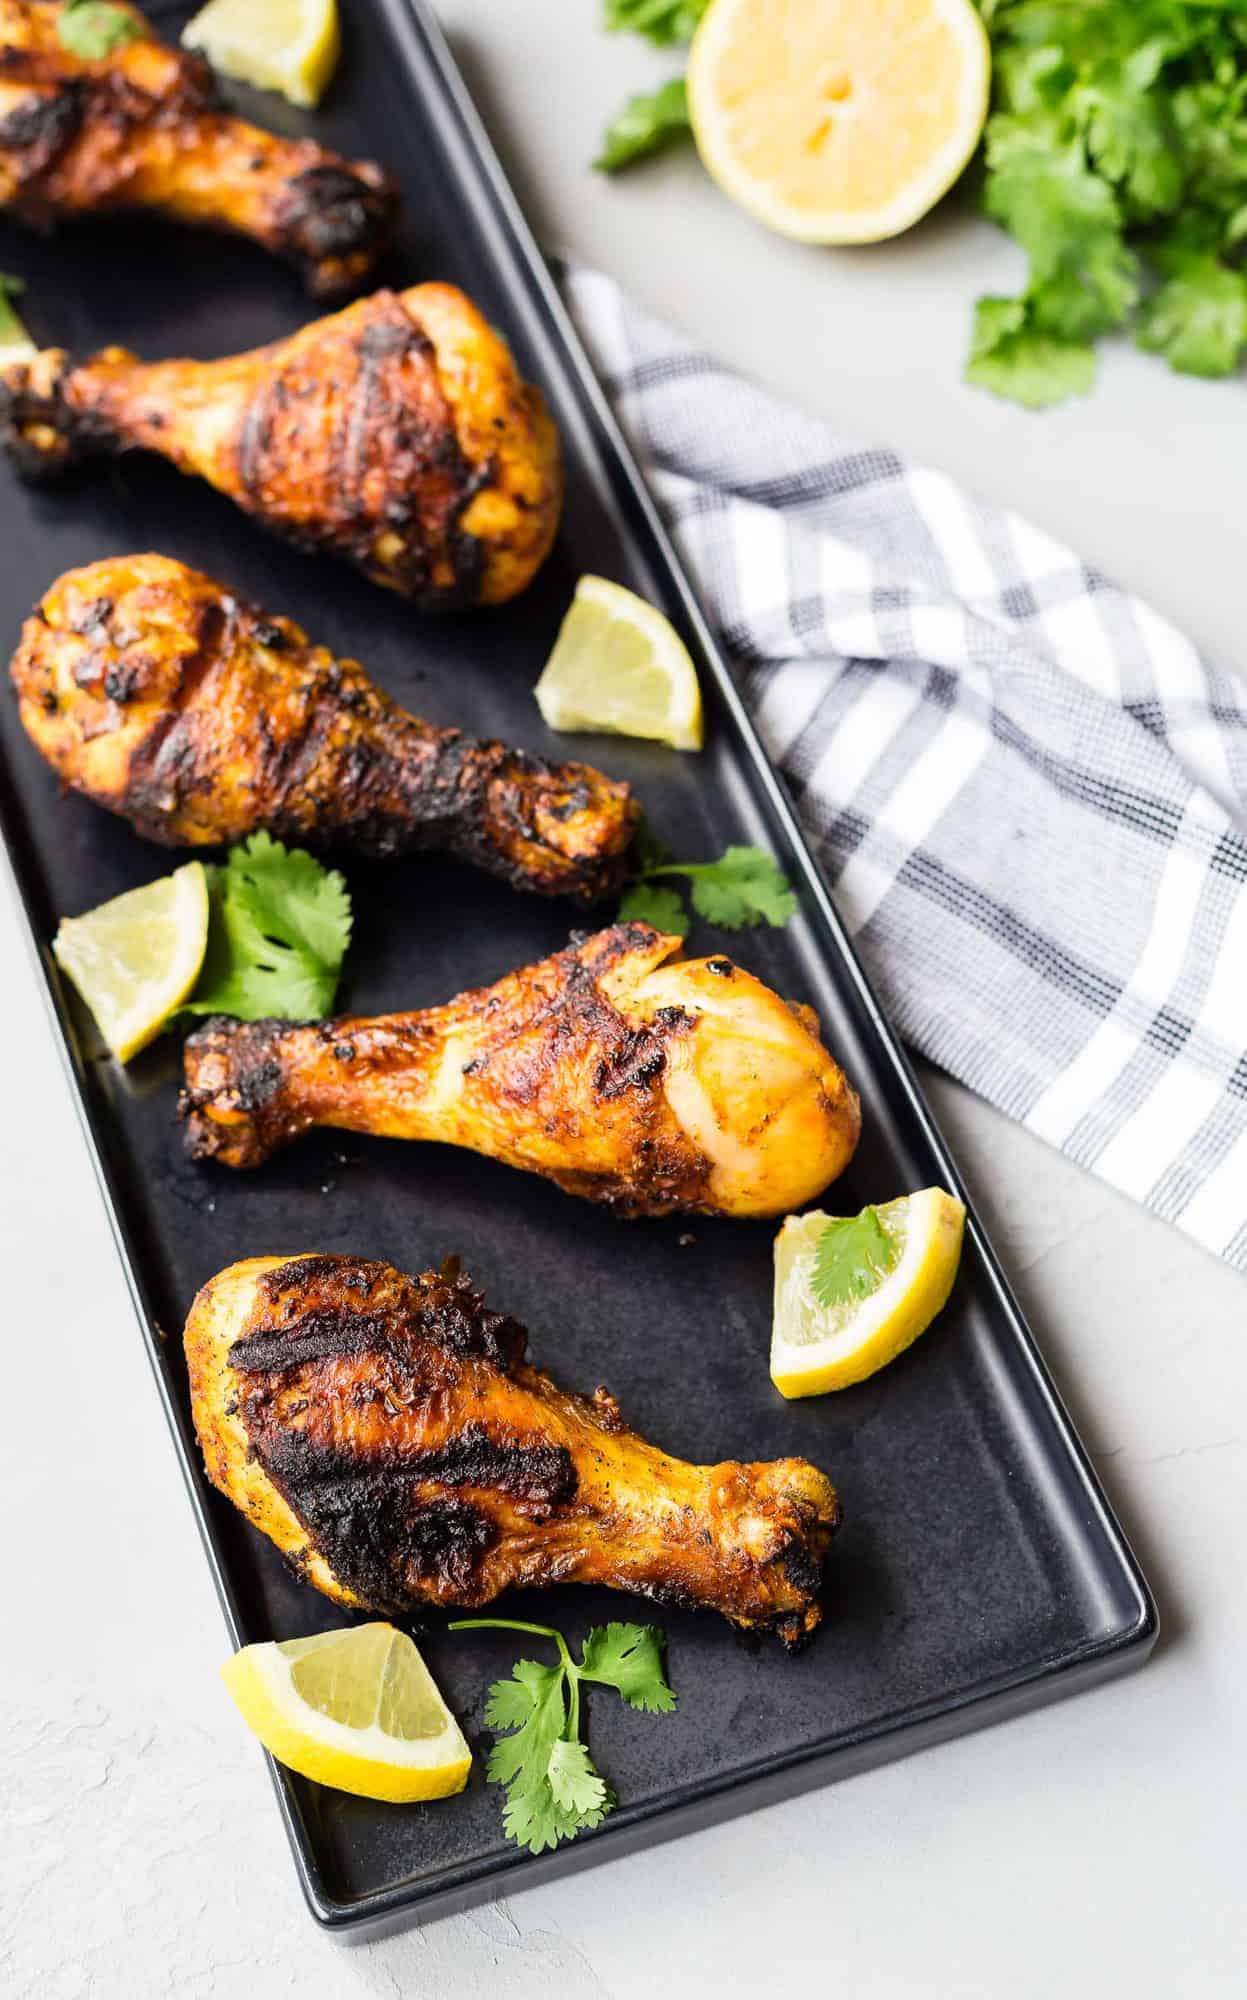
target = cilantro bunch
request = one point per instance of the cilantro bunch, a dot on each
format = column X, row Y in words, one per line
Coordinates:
column 554, row 1789
column 1116, row 155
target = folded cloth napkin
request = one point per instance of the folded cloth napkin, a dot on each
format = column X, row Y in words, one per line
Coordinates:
column 1028, row 791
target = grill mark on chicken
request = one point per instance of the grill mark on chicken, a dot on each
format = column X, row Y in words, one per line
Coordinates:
column 144, row 128
column 396, row 434
column 200, row 719
column 386, row 1432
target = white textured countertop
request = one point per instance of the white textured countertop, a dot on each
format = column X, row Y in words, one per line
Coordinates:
column 1096, row 1846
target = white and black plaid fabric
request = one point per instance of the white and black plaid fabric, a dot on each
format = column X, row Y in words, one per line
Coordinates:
column 1029, row 792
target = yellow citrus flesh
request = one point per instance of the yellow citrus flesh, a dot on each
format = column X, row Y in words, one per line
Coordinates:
column 15, row 350
column 356, row 1709
column 287, row 45
column 815, row 1347
column 620, row 667
column 838, row 121
column 135, row 959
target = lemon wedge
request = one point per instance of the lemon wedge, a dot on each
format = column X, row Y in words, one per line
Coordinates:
column 619, row 666
column 356, row 1709
column 287, row 45
column 135, row 959
column 838, row 121
column 852, row 1292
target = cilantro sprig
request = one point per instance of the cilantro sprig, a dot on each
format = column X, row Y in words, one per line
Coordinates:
column 653, row 120
column 854, row 1253
column 92, row 29
column 278, row 930
column 554, row 1789
column 744, row 887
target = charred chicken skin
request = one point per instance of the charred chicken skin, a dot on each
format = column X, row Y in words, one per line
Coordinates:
column 388, row 1435
column 396, row 434
column 616, row 1070
column 141, row 128
column 158, row 694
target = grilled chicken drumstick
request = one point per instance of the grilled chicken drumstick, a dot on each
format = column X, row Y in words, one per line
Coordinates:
column 622, row 1076
column 388, row 1435
column 199, row 719
column 141, row 127
column 396, row 433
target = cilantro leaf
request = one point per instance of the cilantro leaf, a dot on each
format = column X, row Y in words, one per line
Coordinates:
column 1198, row 317
column 1012, row 358
column 664, row 908
column 514, row 1702
column 1083, row 279
column 92, row 29
column 12, row 333
column 745, row 886
column 853, row 1253
column 554, row 1790
column 575, row 1784
column 277, row 934
column 629, row 1658
column 646, row 124
column 660, row 21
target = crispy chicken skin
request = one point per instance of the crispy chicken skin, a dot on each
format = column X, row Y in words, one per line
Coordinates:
column 614, row 1069
column 160, row 695
column 142, row 128
column 388, row 1435
column 396, row 433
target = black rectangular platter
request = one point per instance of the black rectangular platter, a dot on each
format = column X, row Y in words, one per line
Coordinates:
column 979, row 1569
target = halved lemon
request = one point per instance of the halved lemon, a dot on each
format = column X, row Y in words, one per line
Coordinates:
column 135, row 959
column 852, row 1292
column 287, row 45
column 619, row 666
column 356, row 1709
column 838, row 121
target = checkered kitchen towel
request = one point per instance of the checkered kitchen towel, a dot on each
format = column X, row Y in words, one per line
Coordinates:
column 1028, row 791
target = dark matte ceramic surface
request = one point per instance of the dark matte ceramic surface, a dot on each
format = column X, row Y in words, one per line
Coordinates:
column 978, row 1569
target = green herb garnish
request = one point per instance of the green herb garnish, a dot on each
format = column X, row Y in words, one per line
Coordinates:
column 554, row 1790
column 645, row 125
column 660, row 21
column 745, row 886
column 92, row 29
column 278, row 931
column 653, row 120
column 853, row 1255
column 12, row 332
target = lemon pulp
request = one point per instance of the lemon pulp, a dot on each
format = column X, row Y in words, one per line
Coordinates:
column 619, row 666
column 291, row 46
column 838, row 121
column 135, row 959
column 356, row 1709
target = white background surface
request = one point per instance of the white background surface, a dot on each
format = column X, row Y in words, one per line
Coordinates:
column 1094, row 1847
